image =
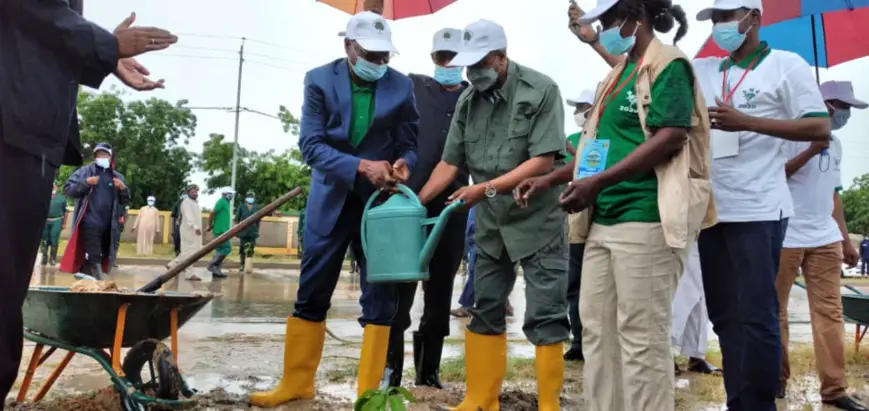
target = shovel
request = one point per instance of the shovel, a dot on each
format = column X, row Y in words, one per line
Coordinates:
column 158, row 282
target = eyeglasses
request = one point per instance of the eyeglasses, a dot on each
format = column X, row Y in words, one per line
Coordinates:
column 376, row 57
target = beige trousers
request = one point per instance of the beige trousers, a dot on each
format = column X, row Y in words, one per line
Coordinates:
column 821, row 270
column 629, row 277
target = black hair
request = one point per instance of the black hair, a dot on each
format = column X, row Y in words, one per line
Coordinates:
column 663, row 15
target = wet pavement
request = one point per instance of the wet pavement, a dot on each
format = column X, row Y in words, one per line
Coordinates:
column 236, row 342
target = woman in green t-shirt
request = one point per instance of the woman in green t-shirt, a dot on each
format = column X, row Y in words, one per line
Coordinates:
column 629, row 272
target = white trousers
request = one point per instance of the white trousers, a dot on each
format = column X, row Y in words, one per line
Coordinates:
column 690, row 332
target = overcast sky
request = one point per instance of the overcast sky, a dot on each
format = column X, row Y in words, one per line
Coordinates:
column 288, row 37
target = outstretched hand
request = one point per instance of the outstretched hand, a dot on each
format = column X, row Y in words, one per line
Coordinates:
column 135, row 75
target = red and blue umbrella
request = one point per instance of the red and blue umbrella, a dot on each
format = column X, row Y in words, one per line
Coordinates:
column 823, row 32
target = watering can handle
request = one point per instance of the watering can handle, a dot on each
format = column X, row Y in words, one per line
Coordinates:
column 403, row 189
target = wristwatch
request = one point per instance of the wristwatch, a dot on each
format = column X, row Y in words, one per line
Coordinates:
column 490, row 190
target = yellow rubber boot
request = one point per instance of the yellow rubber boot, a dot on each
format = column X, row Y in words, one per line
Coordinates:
column 485, row 368
column 302, row 351
column 549, row 364
column 375, row 341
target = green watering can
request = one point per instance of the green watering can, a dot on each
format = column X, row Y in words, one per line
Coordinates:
column 395, row 237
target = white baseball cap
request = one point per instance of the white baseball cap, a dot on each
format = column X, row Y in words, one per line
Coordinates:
column 842, row 91
column 152, row 198
column 586, row 97
column 447, row 40
column 594, row 14
column 727, row 5
column 227, row 190
column 371, row 31
column 478, row 40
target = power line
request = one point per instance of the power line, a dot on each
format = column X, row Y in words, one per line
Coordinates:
column 205, row 48
column 258, row 41
column 272, row 65
column 192, row 56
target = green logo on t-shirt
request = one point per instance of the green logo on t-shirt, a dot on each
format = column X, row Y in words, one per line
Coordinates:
column 631, row 100
column 749, row 95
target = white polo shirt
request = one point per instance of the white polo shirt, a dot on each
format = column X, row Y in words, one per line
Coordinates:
column 812, row 188
column 751, row 186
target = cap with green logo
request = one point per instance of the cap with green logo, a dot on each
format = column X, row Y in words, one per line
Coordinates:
column 371, row 31
column 447, row 40
column 478, row 40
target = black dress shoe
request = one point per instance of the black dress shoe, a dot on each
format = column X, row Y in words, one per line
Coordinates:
column 846, row 402
column 701, row 366
column 574, row 354
column 782, row 390
column 427, row 350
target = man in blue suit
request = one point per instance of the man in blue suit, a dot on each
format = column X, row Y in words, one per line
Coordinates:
column 358, row 133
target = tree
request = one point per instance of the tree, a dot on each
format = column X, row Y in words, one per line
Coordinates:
column 268, row 175
column 148, row 138
column 856, row 203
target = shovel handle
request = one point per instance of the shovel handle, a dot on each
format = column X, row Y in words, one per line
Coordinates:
column 158, row 282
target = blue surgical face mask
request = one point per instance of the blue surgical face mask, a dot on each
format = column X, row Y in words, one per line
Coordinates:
column 839, row 118
column 102, row 162
column 612, row 40
column 448, row 76
column 249, row 200
column 151, row 202
column 727, row 35
column 368, row 71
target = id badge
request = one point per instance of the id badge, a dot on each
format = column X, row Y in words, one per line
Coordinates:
column 724, row 144
column 593, row 158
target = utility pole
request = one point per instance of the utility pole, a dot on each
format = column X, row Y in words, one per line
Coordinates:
column 237, row 113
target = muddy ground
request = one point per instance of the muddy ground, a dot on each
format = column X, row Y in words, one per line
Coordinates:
column 234, row 346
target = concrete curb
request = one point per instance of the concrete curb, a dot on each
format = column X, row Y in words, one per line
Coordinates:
column 259, row 264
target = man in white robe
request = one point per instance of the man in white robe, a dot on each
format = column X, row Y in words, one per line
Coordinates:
column 191, row 229
column 690, row 321
column 146, row 227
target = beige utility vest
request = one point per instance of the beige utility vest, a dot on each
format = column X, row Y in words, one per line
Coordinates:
column 685, row 197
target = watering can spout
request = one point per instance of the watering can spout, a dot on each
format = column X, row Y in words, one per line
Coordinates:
column 434, row 237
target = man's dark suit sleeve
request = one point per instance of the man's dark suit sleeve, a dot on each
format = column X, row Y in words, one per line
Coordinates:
column 316, row 151
column 407, row 129
column 55, row 25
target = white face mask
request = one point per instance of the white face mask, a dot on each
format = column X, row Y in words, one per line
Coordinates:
column 102, row 162
column 151, row 202
column 53, row 192
column 579, row 119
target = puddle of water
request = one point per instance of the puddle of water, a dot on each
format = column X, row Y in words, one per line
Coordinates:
column 247, row 321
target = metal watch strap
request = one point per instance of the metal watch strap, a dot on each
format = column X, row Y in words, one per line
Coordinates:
column 491, row 192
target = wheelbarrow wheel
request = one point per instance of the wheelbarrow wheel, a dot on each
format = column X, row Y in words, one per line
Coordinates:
column 165, row 379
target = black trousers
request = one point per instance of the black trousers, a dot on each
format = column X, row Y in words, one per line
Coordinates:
column 96, row 243
column 574, row 281
column 438, row 290
column 27, row 180
column 176, row 240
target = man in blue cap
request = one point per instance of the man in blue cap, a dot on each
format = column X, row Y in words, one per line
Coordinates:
column 100, row 195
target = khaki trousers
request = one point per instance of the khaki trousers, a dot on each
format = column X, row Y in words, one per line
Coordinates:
column 629, row 277
column 821, row 269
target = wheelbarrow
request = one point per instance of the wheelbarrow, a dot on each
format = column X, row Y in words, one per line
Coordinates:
column 855, row 309
column 99, row 325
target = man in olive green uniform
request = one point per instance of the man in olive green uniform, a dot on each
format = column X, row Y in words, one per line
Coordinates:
column 53, row 226
column 247, row 237
column 507, row 127
column 218, row 223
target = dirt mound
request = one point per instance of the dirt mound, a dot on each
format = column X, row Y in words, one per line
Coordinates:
column 427, row 399
column 511, row 400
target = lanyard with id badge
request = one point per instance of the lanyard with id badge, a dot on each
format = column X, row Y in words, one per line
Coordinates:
column 594, row 153
column 722, row 143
